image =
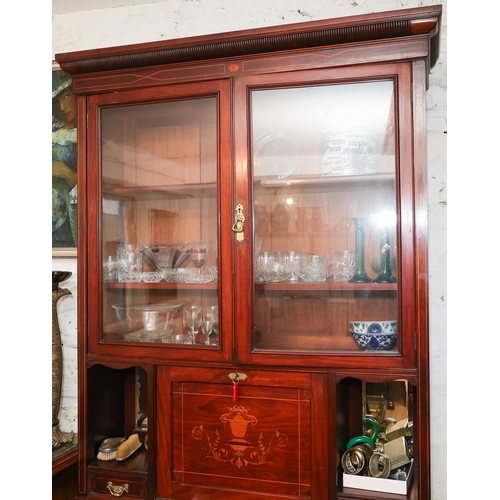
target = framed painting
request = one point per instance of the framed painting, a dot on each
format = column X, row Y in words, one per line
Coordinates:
column 64, row 168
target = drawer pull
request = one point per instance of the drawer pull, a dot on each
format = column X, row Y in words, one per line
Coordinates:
column 236, row 377
column 117, row 491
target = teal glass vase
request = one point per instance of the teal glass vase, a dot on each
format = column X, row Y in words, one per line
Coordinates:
column 385, row 275
column 360, row 275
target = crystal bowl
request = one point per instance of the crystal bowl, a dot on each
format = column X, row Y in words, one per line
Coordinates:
column 181, row 275
column 274, row 267
column 166, row 255
column 374, row 335
column 148, row 321
column 151, row 276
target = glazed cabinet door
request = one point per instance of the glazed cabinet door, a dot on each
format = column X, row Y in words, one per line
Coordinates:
column 159, row 183
column 329, row 261
column 240, row 434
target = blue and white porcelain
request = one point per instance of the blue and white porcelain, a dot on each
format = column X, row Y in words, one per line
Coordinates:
column 373, row 326
column 375, row 335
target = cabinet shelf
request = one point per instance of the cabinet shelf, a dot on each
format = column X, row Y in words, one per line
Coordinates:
column 212, row 285
column 318, row 181
column 174, row 191
column 137, row 463
column 328, row 285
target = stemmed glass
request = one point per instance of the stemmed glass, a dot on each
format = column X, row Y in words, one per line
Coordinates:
column 208, row 319
column 198, row 254
column 191, row 319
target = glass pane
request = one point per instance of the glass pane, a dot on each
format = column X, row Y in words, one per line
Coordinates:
column 325, row 218
column 159, row 221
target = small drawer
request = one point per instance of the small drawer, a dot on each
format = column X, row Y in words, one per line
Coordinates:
column 118, row 486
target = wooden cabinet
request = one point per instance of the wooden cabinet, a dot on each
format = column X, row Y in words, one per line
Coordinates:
column 278, row 176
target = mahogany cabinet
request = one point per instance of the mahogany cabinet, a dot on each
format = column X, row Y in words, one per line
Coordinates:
column 278, row 177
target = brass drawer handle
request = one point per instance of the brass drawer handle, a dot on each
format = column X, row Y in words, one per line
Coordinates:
column 117, row 491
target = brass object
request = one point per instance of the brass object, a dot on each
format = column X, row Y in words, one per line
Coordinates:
column 117, row 491
column 58, row 437
column 373, row 431
column 385, row 424
column 353, row 461
column 364, row 448
column 398, row 429
column 237, row 377
column 239, row 219
column 380, row 465
column 397, row 452
column 375, row 406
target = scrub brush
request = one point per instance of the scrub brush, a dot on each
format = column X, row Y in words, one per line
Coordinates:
column 109, row 447
column 128, row 447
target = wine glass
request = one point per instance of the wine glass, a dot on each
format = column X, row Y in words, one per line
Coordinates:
column 198, row 254
column 191, row 319
column 208, row 319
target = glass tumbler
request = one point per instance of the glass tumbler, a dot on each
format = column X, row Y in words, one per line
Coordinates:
column 129, row 264
column 344, row 265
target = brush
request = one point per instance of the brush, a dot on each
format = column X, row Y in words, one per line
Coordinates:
column 109, row 448
column 128, row 447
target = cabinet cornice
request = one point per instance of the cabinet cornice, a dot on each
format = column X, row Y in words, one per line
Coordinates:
column 325, row 33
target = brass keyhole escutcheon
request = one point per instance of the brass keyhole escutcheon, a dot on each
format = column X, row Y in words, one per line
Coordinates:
column 239, row 219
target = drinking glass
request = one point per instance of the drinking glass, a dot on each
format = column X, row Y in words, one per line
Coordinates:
column 198, row 254
column 129, row 264
column 344, row 265
column 110, row 269
column 191, row 319
column 208, row 319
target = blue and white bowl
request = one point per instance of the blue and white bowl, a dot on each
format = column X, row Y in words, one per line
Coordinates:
column 374, row 335
column 373, row 327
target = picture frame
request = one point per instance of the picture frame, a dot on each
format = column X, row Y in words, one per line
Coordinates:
column 64, row 167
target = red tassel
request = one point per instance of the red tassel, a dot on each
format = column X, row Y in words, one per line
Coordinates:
column 235, row 391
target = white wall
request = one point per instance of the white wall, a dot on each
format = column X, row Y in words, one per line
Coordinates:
column 179, row 18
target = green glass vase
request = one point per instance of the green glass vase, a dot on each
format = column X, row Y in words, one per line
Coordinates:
column 360, row 275
column 385, row 275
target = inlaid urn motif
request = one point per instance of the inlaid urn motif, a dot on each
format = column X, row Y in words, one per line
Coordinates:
column 237, row 450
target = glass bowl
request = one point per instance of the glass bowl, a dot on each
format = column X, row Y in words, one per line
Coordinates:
column 147, row 321
column 151, row 277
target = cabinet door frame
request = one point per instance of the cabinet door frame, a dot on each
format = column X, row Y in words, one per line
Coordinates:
column 408, row 300
column 91, row 240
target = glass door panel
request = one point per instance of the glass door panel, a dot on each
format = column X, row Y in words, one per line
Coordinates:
column 325, row 234
column 159, row 221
